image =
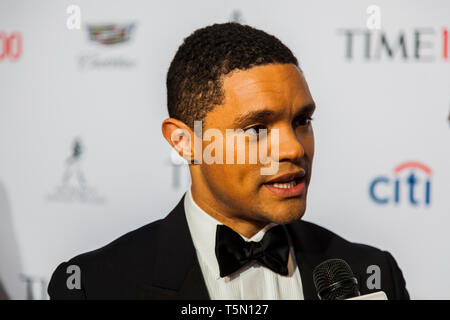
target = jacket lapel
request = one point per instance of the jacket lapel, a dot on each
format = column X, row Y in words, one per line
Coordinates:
column 307, row 255
column 177, row 273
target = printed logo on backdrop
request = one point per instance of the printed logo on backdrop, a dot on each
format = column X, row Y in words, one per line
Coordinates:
column 74, row 186
column 409, row 183
column 236, row 16
column 180, row 176
column 448, row 118
column 425, row 44
column 10, row 46
column 36, row 287
column 110, row 34
column 111, row 42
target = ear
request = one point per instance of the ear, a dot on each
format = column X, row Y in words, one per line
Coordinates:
column 179, row 136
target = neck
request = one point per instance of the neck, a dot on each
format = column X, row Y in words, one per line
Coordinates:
column 223, row 213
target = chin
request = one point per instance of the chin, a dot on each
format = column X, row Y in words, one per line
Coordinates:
column 287, row 215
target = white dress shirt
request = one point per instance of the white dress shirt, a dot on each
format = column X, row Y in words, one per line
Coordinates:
column 253, row 281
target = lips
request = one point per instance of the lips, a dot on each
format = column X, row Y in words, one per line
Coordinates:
column 287, row 185
column 287, row 177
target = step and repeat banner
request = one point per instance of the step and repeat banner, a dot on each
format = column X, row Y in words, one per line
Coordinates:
column 82, row 98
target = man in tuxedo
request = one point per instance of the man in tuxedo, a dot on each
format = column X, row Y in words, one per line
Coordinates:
column 237, row 233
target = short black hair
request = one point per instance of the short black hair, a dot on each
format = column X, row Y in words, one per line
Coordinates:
column 194, row 76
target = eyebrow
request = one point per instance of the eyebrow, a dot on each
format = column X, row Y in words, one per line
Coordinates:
column 252, row 117
column 307, row 109
column 264, row 115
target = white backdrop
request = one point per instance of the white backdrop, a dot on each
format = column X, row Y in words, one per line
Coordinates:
column 82, row 159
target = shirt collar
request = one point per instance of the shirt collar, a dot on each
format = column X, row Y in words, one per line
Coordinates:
column 203, row 226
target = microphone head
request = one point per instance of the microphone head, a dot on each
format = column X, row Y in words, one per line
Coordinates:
column 334, row 280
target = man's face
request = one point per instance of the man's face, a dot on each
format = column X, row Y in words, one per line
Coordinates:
column 268, row 97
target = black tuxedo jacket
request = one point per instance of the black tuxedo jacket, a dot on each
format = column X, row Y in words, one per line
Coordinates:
column 158, row 261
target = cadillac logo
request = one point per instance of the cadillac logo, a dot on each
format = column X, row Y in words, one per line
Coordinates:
column 109, row 34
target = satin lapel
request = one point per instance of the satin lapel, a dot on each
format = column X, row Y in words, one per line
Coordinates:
column 308, row 256
column 177, row 273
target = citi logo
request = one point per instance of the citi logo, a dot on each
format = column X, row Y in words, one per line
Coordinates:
column 410, row 183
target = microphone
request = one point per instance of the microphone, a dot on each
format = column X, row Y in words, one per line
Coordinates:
column 334, row 280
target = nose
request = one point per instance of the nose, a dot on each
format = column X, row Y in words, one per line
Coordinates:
column 290, row 147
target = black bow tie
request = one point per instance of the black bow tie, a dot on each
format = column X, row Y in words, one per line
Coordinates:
column 233, row 252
